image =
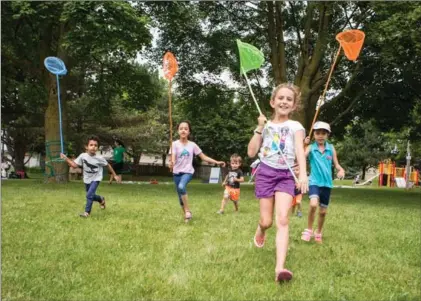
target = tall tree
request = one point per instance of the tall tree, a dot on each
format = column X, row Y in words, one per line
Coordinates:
column 23, row 98
column 221, row 122
column 136, row 93
column 87, row 36
column 298, row 38
column 387, row 85
column 364, row 146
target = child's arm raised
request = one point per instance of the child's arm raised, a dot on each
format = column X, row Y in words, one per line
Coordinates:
column 256, row 140
column 210, row 160
column 68, row 161
column 341, row 171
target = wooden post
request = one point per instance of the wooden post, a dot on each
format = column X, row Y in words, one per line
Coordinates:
column 408, row 166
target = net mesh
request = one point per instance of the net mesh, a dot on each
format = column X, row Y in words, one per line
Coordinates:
column 170, row 66
column 53, row 160
column 351, row 42
column 55, row 65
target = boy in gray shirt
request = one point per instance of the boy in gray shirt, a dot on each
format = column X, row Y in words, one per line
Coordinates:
column 92, row 165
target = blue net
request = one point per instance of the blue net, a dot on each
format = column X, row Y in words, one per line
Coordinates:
column 55, row 65
column 52, row 158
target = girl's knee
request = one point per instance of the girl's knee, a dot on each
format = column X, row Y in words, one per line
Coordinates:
column 282, row 221
column 313, row 204
column 322, row 211
column 265, row 223
column 181, row 189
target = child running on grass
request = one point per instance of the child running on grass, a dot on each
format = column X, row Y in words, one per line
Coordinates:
column 280, row 142
column 182, row 153
column 321, row 155
column 232, row 183
column 92, row 165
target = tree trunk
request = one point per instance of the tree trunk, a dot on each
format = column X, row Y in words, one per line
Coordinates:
column 19, row 150
column 276, row 40
column 309, row 77
column 56, row 170
column 363, row 172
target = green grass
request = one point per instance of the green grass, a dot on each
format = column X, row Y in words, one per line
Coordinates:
column 140, row 249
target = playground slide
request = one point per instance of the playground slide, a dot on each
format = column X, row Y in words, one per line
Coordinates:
column 368, row 181
column 400, row 182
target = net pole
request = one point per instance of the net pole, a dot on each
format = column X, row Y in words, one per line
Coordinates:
column 170, row 113
column 59, row 115
column 325, row 89
column 251, row 91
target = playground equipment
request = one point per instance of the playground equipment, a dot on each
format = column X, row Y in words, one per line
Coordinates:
column 389, row 174
column 368, row 182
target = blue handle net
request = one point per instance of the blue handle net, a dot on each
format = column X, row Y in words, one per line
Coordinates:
column 52, row 158
column 55, row 65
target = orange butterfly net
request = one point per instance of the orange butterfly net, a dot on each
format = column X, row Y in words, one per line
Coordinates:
column 351, row 41
column 170, row 68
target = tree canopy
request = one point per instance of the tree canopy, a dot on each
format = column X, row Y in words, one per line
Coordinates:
column 108, row 92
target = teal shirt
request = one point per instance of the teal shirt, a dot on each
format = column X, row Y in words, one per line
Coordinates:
column 118, row 154
column 321, row 165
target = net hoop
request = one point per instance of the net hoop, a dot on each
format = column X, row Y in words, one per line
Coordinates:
column 55, row 65
column 169, row 66
column 52, row 157
column 351, row 42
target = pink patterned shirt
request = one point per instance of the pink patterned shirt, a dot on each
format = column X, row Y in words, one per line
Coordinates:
column 184, row 156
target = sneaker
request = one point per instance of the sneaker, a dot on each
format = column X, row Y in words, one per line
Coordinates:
column 307, row 234
column 318, row 238
column 299, row 214
column 102, row 204
column 220, row 212
column 84, row 214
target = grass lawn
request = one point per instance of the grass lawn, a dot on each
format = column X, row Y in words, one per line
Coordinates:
column 139, row 248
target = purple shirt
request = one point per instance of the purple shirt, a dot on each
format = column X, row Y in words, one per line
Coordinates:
column 184, row 156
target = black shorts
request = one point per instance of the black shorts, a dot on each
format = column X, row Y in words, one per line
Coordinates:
column 321, row 193
column 118, row 167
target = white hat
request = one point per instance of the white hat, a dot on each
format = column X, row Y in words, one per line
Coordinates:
column 320, row 125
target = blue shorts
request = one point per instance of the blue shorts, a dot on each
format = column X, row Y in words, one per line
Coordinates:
column 321, row 193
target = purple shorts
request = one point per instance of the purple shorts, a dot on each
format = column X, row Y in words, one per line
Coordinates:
column 268, row 180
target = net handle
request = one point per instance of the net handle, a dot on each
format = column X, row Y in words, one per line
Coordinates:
column 325, row 89
column 170, row 114
column 59, row 115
